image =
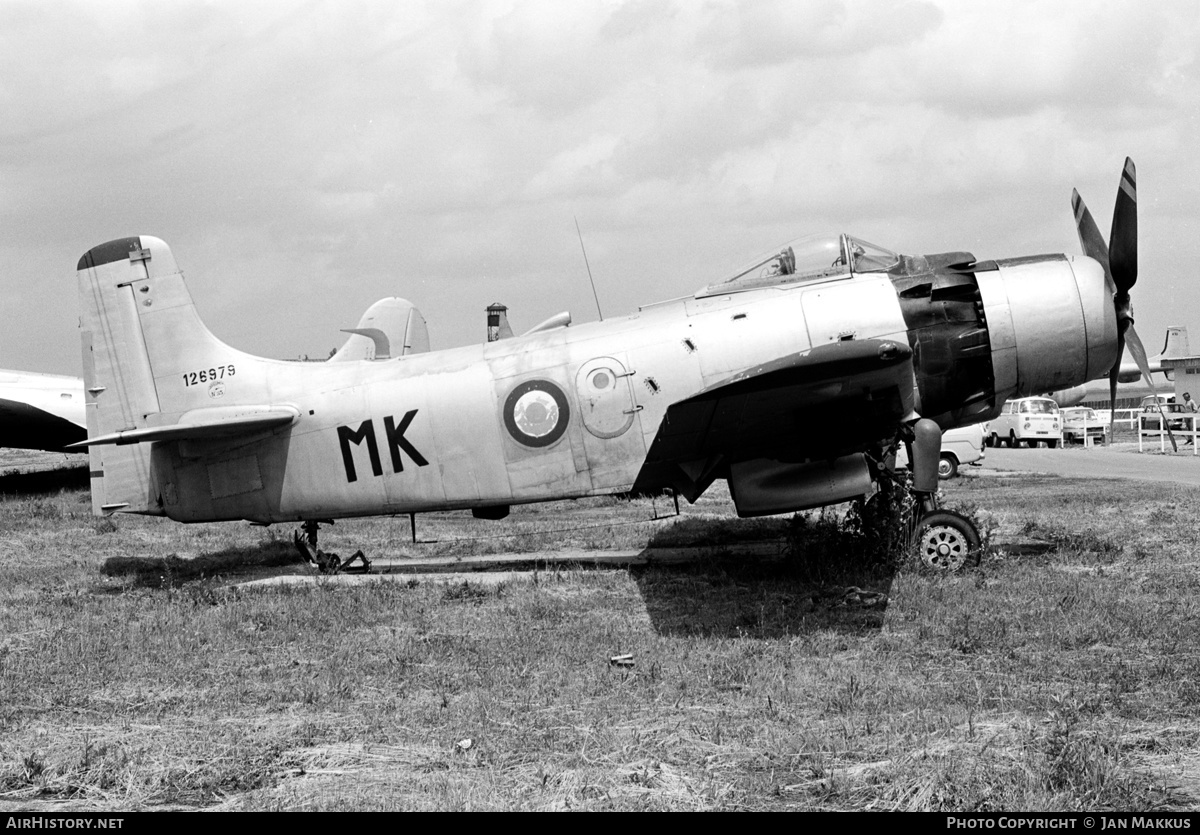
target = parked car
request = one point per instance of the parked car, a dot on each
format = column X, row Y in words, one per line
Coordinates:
column 1027, row 420
column 1178, row 416
column 963, row 445
column 1080, row 422
column 1148, row 401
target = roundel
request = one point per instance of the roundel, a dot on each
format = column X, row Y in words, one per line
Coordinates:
column 536, row 413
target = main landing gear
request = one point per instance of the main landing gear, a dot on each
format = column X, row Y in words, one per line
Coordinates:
column 946, row 541
column 305, row 540
column 943, row 539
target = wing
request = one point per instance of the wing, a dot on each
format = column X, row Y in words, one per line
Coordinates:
column 40, row 411
column 816, row 404
column 23, row 426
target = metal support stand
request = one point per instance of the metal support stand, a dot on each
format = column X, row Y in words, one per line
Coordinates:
column 654, row 507
column 305, row 540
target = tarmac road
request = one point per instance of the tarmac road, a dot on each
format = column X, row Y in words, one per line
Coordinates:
column 1117, row 461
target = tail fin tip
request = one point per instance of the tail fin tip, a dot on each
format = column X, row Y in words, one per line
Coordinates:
column 137, row 248
column 106, row 253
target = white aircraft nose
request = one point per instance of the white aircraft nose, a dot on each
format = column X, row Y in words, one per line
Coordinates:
column 1050, row 322
column 1096, row 293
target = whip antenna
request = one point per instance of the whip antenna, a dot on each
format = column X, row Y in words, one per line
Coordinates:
column 589, row 270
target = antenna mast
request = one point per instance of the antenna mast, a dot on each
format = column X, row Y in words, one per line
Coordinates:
column 589, row 270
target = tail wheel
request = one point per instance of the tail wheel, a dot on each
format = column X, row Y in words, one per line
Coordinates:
column 946, row 541
column 947, row 467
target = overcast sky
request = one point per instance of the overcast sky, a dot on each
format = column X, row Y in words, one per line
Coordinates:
column 306, row 159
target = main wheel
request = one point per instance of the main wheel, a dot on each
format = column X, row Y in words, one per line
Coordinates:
column 946, row 541
column 947, row 467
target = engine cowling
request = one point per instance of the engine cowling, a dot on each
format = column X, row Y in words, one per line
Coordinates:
column 985, row 332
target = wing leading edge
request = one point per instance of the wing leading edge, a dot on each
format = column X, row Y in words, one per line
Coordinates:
column 40, row 411
column 817, row 404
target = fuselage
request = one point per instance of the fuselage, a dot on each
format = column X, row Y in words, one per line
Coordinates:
column 570, row 411
column 444, row 430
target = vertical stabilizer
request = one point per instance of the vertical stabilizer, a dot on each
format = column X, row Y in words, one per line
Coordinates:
column 118, row 382
column 147, row 359
column 391, row 327
column 1176, row 343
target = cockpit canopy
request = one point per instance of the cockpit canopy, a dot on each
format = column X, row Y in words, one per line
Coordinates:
column 820, row 257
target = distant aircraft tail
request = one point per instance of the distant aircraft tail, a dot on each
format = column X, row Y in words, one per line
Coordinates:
column 391, row 327
column 147, row 359
column 1176, row 343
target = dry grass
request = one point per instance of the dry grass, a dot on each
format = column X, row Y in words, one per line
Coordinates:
column 132, row 676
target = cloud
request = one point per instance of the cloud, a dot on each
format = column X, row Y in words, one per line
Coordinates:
column 306, row 159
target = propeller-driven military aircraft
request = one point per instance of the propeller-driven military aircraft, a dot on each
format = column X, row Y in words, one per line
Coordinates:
column 790, row 380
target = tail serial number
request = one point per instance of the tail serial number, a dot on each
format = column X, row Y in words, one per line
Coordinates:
column 195, row 378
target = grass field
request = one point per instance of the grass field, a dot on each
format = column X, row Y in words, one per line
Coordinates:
column 132, row 676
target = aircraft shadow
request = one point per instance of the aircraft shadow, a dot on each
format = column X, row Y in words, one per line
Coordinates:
column 44, row 481
column 173, row 570
column 748, row 597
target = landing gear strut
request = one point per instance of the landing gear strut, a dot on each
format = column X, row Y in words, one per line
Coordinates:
column 305, row 539
column 943, row 539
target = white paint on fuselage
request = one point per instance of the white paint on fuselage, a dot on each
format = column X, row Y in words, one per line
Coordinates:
column 669, row 351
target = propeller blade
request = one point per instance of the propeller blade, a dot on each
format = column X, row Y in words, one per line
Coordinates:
column 1138, row 351
column 1089, row 233
column 1122, row 250
column 1113, row 374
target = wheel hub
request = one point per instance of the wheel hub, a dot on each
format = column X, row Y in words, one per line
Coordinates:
column 943, row 547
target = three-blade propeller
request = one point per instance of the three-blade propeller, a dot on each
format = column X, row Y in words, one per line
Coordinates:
column 1119, row 259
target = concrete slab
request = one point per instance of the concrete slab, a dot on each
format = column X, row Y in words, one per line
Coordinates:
column 578, row 557
column 490, row 578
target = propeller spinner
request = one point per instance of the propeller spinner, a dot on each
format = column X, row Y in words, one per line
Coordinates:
column 1119, row 259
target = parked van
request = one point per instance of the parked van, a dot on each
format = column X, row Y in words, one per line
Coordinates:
column 1027, row 420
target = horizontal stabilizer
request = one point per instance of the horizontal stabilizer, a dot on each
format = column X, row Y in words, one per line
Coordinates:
column 205, row 424
column 390, row 328
column 382, row 344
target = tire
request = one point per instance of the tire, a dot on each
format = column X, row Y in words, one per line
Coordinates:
column 1052, row 444
column 946, row 541
column 947, row 467
column 1013, row 443
column 994, row 441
